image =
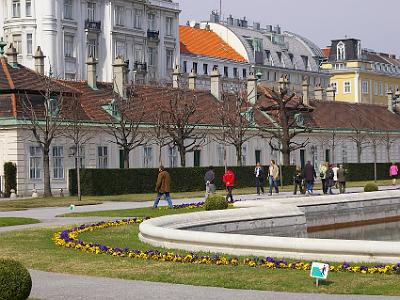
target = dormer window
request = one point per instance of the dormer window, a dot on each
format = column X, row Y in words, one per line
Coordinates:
column 341, row 51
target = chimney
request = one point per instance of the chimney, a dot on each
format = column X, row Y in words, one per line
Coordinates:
column 252, row 89
column 12, row 56
column 216, row 84
column 119, row 73
column 330, row 93
column 390, row 99
column 192, row 80
column 306, row 91
column 39, row 61
column 176, row 77
column 92, row 73
column 318, row 92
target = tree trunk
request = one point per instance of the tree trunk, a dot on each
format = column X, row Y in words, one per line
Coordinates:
column 126, row 158
column 159, row 155
column 46, row 173
column 238, row 155
column 388, row 153
column 359, row 152
column 182, row 153
column 375, row 159
column 285, row 151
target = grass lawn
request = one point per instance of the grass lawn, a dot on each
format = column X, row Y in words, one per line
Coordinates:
column 11, row 221
column 9, row 205
column 35, row 250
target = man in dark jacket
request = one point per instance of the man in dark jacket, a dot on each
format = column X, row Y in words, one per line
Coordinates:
column 163, row 187
column 341, row 178
column 209, row 179
column 309, row 177
column 260, row 175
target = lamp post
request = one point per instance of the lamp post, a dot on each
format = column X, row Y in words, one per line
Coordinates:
column 75, row 153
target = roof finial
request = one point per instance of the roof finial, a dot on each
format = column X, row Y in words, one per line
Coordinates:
column 3, row 44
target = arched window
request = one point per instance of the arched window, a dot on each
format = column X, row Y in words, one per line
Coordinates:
column 341, row 51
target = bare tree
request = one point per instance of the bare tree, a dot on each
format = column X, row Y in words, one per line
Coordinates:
column 126, row 116
column 237, row 122
column 180, row 119
column 359, row 136
column 44, row 117
column 285, row 112
column 330, row 139
column 388, row 140
column 77, row 134
column 160, row 137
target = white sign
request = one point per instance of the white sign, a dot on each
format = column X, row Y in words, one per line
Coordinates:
column 319, row 270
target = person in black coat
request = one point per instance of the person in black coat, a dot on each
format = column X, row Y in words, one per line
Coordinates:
column 309, row 177
column 298, row 180
column 260, row 178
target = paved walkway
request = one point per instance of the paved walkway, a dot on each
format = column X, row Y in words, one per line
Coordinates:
column 64, row 286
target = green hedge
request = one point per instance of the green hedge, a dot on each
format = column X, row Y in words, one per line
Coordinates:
column 132, row 181
column 365, row 171
column 10, row 178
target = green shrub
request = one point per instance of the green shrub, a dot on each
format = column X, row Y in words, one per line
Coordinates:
column 371, row 187
column 10, row 178
column 15, row 281
column 216, row 202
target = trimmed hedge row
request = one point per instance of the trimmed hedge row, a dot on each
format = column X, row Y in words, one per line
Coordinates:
column 97, row 182
column 365, row 171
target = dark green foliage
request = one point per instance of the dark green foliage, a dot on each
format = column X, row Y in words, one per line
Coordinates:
column 365, row 171
column 216, row 202
column 131, row 181
column 10, row 178
column 15, row 280
column 371, row 187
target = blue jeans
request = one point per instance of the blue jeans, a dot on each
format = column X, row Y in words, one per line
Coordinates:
column 273, row 183
column 167, row 197
column 309, row 186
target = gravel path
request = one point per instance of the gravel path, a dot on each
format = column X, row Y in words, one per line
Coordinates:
column 55, row 286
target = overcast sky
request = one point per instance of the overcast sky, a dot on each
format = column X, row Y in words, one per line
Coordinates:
column 375, row 23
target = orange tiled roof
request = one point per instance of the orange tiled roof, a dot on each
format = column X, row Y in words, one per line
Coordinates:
column 203, row 42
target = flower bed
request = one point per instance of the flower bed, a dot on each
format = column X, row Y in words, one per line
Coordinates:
column 69, row 239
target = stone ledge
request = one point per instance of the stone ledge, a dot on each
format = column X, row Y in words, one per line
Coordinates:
column 169, row 232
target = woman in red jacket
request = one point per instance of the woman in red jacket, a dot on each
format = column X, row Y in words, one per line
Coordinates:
column 229, row 180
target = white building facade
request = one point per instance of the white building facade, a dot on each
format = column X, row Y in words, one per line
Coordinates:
column 145, row 33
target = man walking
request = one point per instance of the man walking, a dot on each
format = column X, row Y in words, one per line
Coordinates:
column 259, row 173
column 341, row 176
column 209, row 179
column 273, row 175
column 309, row 177
column 163, row 187
column 229, row 180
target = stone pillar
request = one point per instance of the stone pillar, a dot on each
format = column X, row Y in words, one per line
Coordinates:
column 318, row 92
column 192, row 80
column 306, row 91
column 39, row 61
column 119, row 74
column 176, row 77
column 92, row 72
column 12, row 56
column 216, row 84
column 330, row 93
column 252, row 89
column 390, row 100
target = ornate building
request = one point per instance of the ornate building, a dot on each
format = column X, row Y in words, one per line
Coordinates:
column 144, row 33
column 361, row 75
